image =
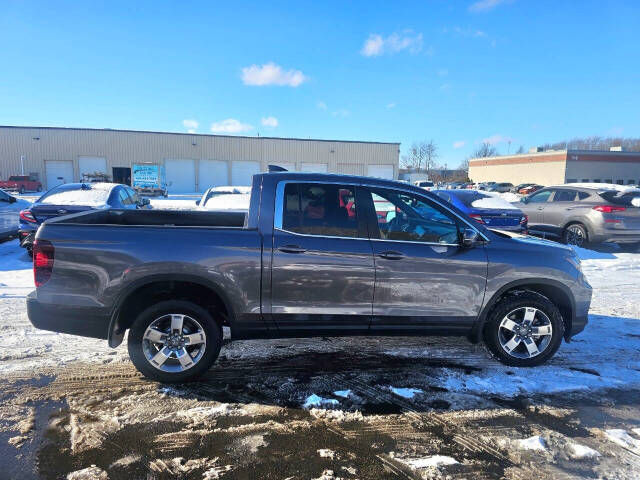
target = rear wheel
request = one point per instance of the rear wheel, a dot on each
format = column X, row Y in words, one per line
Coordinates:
column 174, row 341
column 524, row 330
column 576, row 234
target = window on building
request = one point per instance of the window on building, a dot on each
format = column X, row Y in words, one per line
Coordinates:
column 319, row 209
column 608, row 180
column 596, row 180
column 620, row 182
column 586, row 180
column 630, row 182
column 572, row 180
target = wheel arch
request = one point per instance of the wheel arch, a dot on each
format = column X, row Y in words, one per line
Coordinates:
column 126, row 308
column 555, row 291
column 581, row 221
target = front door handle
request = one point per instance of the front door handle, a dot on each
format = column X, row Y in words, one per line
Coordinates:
column 292, row 249
column 392, row 255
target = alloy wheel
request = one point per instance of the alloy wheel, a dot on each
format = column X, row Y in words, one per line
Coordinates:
column 525, row 332
column 174, row 342
column 575, row 235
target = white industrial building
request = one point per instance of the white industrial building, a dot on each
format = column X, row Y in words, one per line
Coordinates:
column 193, row 162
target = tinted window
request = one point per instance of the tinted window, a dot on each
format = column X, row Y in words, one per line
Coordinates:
column 404, row 216
column 582, row 195
column 124, row 197
column 135, row 199
column 318, row 209
column 540, row 197
column 564, row 196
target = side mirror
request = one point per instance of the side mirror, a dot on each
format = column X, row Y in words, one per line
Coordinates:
column 469, row 237
column 145, row 201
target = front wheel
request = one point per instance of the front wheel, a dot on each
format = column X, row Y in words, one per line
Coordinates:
column 524, row 330
column 576, row 234
column 174, row 341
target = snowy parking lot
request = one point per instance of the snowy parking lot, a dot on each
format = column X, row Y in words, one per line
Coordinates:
column 432, row 407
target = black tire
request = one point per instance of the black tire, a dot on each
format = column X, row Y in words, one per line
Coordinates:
column 211, row 328
column 511, row 303
column 576, row 234
column 30, row 251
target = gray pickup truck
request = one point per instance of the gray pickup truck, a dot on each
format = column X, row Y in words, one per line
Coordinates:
column 315, row 255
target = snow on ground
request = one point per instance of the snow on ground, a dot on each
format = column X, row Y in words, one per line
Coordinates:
column 174, row 203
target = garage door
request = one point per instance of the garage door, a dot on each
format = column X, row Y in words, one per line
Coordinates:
column 351, row 168
column 380, row 171
column 212, row 173
column 314, row 167
column 58, row 172
column 91, row 165
column 242, row 172
column 181, row 175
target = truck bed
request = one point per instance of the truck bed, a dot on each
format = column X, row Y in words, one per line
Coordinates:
column 177, row 218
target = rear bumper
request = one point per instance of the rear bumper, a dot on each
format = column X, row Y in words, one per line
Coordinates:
column 82, row 321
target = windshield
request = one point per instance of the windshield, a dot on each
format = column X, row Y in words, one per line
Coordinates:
column 91, row 195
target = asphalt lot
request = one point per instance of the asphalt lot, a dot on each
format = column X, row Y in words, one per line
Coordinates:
column 326, row 408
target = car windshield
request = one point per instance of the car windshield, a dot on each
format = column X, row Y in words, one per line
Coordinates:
column 92, row 195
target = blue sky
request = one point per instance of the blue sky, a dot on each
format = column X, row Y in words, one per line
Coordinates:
column 456, row 71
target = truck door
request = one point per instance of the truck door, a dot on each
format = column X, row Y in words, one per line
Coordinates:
column 322, row 271
column 425, row 280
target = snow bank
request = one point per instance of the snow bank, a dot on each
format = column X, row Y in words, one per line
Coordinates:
column 430, row 462
column 622, row 438
column 575, row 451
column 532, row 443
column 314, row 400
column 342, row 393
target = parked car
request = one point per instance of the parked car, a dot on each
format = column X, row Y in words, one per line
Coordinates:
column 517, row 188
column 10, row 207
column 529, row 189
column 579, row 215
column 500, row 187
column 490, row 210
column 70, row 198
column 225, row 198
column 21, row 184
column 426, row 184
column 297, row 264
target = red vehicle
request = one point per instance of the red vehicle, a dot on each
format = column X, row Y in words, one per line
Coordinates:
column 529, row 189
column 21, row 183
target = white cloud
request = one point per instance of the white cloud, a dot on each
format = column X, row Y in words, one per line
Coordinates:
column 391, row 105
column 459, row 144
column 190, row 125
column 497, row 138
column 321, row 105
column 272, row 74
column 486, row 5
column 271, row 122
column 342, row 112
column 377, row 45
column 230, row 125
column 469, row 32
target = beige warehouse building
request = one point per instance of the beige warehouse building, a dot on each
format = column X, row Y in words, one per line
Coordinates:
column 193, row 162
column 554, row 167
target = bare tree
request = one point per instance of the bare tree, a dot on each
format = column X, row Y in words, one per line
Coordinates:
column 484, row 150
column 421, row 156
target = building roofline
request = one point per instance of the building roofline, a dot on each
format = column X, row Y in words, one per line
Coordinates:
column 556, row 152
column 194, row 134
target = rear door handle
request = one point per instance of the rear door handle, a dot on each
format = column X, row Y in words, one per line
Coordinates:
column 392, row 255
column 292, row 249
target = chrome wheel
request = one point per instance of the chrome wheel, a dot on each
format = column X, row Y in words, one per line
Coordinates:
column 525, row 332
column 174, row 342
column 576, row 235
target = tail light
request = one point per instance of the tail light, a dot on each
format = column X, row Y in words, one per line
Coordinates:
column 27, row 216
column 609, row 208
column 476, row 217
column 43, row 254
column 524, row 220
